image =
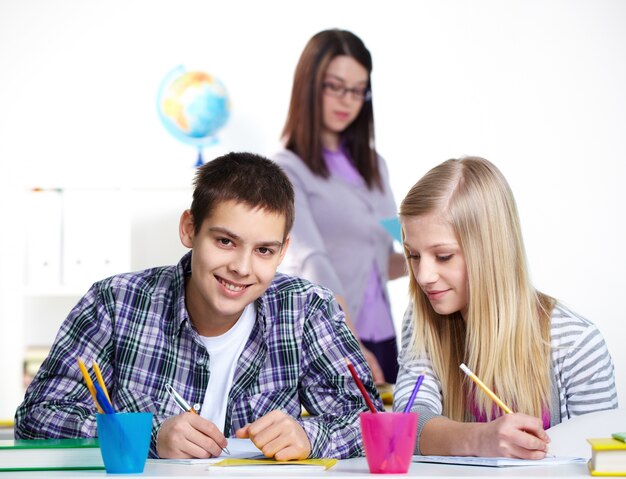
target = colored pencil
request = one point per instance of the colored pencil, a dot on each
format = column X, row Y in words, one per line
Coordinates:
column 358, row 382
column 100, row 379
column 418, row 383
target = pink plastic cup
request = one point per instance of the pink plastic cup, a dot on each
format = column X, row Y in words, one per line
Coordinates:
column 389, row 440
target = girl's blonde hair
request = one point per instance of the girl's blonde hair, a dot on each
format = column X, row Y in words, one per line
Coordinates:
column 505, row 338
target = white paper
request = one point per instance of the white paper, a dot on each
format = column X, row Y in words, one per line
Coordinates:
column 238, row 448
column 497, row 461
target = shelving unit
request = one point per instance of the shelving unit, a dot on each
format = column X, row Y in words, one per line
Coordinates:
column 75, row 237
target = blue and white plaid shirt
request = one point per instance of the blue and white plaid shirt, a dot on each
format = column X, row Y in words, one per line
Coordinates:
column 136, row 327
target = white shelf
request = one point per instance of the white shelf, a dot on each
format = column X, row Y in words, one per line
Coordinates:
column 77, row 236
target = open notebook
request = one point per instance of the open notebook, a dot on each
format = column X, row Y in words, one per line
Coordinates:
column 245, row 456
column 568, row 442
column 238, row 448
column 497, row 461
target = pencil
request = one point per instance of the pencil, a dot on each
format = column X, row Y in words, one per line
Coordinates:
column 89, row 382
column 487, row 391
column 358, row 382
column 100, row 379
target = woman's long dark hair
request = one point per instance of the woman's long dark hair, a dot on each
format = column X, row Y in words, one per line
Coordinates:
column 303, row 129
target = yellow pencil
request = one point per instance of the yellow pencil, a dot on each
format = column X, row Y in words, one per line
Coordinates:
column 92, row 390
column 100, row 379
column 487, row 391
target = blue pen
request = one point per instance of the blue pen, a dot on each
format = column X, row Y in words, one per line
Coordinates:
column 102, row 400
column 409, row 405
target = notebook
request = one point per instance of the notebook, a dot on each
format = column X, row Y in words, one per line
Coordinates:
column 251, row 465
column 237, row 449
column 497, row 461
column 49, row 454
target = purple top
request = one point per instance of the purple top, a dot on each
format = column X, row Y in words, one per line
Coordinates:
column 373, row 322
column 481, row 416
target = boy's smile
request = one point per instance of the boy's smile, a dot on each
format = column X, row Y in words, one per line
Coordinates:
column 234, row 260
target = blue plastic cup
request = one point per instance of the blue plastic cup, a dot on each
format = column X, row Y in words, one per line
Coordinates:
column 124, row 441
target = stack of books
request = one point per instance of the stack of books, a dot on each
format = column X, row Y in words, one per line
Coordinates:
column 608, row 455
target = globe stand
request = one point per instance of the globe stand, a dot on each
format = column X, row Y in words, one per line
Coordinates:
column 200, row 160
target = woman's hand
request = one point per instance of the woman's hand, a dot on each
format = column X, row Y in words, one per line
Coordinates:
column 372, row 362
column 370, row 358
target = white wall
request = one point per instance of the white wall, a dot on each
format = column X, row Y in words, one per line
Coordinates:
column 535, row 86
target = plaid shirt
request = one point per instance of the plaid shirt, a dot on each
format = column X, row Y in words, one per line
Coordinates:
column 136, row 327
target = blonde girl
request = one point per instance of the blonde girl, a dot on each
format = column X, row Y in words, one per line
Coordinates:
column 472, row 302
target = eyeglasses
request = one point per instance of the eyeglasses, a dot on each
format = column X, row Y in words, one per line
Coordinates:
column 339, row 91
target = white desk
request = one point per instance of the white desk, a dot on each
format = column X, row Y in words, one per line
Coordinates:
column 354, row 468
column 568, row 439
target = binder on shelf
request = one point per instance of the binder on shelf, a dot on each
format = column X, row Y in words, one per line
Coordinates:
column 43, row 238
column 96, row 236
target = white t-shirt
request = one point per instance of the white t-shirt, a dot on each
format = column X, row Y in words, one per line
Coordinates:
column 224, row 352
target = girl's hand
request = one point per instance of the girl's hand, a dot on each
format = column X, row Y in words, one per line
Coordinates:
column 513, row 435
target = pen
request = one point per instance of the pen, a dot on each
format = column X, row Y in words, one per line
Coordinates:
column 103, row 400
column 184, row 405
column 487, row 391
column 358, row 382
column 409, row 404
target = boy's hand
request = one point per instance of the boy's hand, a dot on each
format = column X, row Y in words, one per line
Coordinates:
column 278, row 435
column 189, row 436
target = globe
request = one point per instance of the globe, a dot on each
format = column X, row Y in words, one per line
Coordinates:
column 193, row 106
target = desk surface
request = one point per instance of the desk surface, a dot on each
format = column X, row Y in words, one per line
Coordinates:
column 568, row 439
column 354, row 468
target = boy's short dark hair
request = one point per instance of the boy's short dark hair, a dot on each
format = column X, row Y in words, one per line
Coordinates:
column 245, row 178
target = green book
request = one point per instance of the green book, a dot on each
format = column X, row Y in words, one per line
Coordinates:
column 49, row 454
column 620, row 436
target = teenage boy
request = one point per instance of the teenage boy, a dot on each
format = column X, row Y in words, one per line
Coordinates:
column 248, row 346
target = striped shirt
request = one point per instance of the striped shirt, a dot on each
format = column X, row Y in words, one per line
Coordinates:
column 136, row 327
column 583, row 378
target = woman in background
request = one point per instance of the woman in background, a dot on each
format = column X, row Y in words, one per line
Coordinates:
column 473, row 303
column 342, row 191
